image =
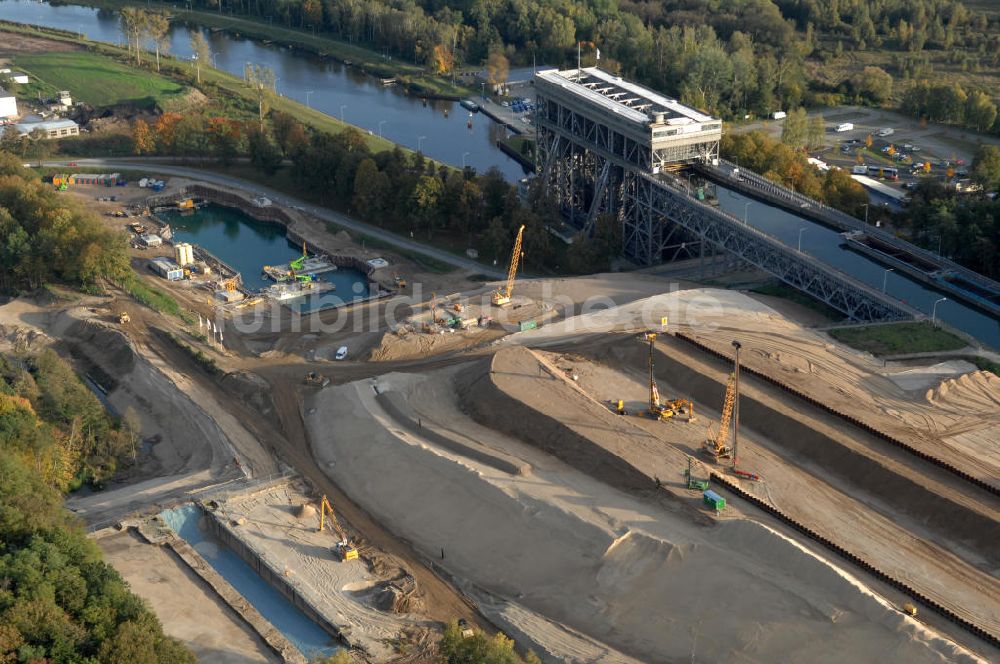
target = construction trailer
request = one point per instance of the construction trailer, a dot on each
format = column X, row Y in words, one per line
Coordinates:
column 149, row 240
column 101, row 180
column 166, row 268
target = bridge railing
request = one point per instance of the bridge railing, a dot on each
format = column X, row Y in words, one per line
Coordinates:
column 853, row 223
column 780, row 247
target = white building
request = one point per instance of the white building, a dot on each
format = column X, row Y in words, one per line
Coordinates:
column 51, row 128
column 8, row 106
column 18, row 77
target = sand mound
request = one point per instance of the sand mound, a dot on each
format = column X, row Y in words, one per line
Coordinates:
column 644, row 580
column 306, row 511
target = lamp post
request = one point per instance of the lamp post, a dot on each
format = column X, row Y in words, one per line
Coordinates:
column 689, row 183
column 866, row 214
column 420, row 143
column 464, row 155
column 885, row 276
column 802, row 230
column 736, row 402
column 934, row 310
column 745, row 206
column 308, row 92
column 342, row 107
column 380, row 123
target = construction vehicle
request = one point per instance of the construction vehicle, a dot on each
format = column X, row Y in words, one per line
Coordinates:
column 662, row 410
column 618, row 406
column 464, row 629
column 910, row 609
column 298, row 262
column 693, row 482
column 229, row 284
column 343, row 549
column 400, row 281
column 433, row 307
column 501, row 296
column 716, row 446
column 186, row 204
column 123, row 318
column 313, row 378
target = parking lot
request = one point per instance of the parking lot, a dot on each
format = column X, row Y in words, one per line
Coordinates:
column 948, row 149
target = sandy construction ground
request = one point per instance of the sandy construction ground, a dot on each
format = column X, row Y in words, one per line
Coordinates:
column 650, row 578
column 285, row 537
column 214, row 632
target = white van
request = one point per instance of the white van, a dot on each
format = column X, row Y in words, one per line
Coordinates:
column 847, row 126
column 779, row 115
column 887, row 131
column 341, row 353
column 860, row 169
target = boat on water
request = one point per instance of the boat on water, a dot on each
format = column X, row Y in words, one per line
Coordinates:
column 470, row 105
column 287, row 291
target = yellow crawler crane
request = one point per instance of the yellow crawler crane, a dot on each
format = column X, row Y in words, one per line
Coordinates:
column 343, row 549
column 662, row 410
column 501, row 296
column 716, row 447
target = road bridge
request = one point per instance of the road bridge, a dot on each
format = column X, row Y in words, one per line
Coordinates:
column 607, row 147
column 925, row 266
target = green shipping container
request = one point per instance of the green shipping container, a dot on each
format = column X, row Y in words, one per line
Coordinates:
column 528, row 325
column 713, row 500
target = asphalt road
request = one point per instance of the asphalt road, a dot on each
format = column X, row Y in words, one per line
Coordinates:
column 157, row 167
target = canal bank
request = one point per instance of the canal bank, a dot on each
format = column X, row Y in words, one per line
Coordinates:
column 436, row 127
column 245, row 236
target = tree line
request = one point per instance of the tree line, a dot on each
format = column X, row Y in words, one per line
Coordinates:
column 59, row 602
column 732, row 58
column 964, row 227
column 44, row 239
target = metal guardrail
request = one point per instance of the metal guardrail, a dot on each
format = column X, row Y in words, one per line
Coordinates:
column 826, row 283
column 895, row 442
column 847, row 222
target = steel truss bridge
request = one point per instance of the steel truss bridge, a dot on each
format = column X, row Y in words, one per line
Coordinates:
column 592, row 165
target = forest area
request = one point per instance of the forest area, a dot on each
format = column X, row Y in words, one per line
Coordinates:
column 58, row 601
column 732, row 57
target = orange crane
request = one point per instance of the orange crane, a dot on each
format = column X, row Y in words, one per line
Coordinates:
column 501, row 296
column 343, row 549
column 716, row 447
column 662, row 410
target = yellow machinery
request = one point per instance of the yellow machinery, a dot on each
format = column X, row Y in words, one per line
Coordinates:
column 400, row 281
column 344, row 549
column 501, row 296
column 662, row 410
column 186, row 204
column 716, row 447
column 123, row 318
column 229, row 285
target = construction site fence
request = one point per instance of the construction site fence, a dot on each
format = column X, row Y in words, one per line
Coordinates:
column 860, row 562
column 976, row 481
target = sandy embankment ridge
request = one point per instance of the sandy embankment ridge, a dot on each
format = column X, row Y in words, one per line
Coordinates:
column 616, row 576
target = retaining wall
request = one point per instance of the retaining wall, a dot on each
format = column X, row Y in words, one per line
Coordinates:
column 275, row 578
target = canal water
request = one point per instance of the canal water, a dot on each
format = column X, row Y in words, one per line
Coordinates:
column 339, row 91
column 827, row 245
column 247, row 245
column 311, row 640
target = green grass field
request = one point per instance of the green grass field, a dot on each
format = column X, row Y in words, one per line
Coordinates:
column 898, row 338
column 96, row 79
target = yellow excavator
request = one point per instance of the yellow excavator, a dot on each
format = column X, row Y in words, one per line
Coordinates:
column 343, row 549
column 662, row 410
column 501, row 296
column 716, row 446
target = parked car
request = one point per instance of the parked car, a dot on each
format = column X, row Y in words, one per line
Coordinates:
column 341, row 353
